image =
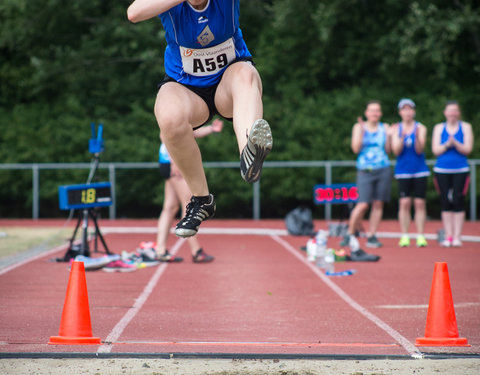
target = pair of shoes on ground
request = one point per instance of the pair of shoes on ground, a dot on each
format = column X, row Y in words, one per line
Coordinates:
column 200, row 257
column 259, row 144
column 405, row 241
column 450, row 242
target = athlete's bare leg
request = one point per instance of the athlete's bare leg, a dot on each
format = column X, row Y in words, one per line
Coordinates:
column 420, row 214
column 239, row 96
column 404, row 214
column 183, row 196
column 178, row 110
column 169, row 210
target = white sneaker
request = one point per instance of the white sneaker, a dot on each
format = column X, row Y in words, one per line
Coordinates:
column 353, row 243
column 457, row 243
column 446, row 243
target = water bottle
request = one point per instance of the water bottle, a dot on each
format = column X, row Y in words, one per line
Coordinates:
column 311, row 250
column 330, row 261
column 321, row 248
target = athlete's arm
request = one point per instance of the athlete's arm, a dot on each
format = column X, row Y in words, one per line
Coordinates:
column 466, row 147
column 388, row 139
column 437, row 147
column 141, row 10
column 216, row 127
column 421, row 138
column 357, row 137
column 397, row 139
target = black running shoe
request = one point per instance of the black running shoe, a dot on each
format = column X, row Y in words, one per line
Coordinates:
column 362, row 256
column 202, row 257
column 168, row 258
column 258, row 146
column 198, row 210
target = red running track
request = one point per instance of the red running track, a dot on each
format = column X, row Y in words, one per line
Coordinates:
column 259, row 296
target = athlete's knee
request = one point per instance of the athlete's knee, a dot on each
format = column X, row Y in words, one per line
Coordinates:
column 377, row 205
column 420, row 204
column 405, row 204
column 458, row 202
column 171, row 125
column 247, row 75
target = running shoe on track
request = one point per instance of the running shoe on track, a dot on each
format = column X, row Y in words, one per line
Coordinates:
column 404, row 241
column 168, row 258
column 198, row 210
column 362, row 256
column 421, row 241
column 120, row 266
column 202, row 257
column 373, row 241
column 259, row 144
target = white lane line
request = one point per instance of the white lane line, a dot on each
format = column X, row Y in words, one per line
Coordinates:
column 456, row 305
column 265, row 232
column 35, row 257
column 130, row 314
column 407, row 345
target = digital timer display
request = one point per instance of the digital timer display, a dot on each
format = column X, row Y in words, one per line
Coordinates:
column 335, row 193
column 85, row 196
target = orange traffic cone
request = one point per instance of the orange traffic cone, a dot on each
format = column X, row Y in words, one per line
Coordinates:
column 441, row 328
column 75, row 326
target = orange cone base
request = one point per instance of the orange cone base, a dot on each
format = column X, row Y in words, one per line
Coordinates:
column 62, row 340
column 446, row 341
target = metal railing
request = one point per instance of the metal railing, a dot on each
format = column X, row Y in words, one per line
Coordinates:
column 113, row 167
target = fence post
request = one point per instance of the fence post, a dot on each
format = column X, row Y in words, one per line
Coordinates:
column 473, row 192
column 328, row 181
column 256, row 200
column 36, row 194
column 112, row 210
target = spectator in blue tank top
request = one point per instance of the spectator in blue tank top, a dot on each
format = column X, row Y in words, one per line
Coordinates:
column 452, row 141
column 411, row 171
column 209, row 70
column 370, row 140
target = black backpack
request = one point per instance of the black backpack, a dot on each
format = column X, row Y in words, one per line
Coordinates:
column 299, row 222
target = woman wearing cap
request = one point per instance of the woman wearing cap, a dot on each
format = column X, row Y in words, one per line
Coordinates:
column 452, row 141
column 411, row 170
column 209, row 70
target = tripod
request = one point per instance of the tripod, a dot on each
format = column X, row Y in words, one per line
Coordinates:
column 91, row 211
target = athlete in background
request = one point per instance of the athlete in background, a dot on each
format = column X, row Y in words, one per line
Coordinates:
column 452, row 141
column 411, row 171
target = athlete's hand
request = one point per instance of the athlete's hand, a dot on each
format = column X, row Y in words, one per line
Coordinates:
column 217, row 125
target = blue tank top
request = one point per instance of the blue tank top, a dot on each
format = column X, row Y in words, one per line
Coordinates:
column 373, row 155
column 202, row 43
column 451, row 161
column 163, row 156
column 409, row 163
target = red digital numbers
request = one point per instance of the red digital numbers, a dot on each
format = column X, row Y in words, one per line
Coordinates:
column 353, row 193
column 336, row 194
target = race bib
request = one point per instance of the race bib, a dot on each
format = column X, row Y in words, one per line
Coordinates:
column 207, row 61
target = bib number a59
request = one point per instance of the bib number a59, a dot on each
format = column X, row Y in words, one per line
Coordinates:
column 207, row 61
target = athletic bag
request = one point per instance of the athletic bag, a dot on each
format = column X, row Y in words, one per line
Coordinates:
column 299, row 222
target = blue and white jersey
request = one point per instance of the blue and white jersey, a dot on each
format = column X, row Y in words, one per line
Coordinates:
column 163, row 156
column 409, row 163
column 373, row 155
column 451, row 161
column 202, row 43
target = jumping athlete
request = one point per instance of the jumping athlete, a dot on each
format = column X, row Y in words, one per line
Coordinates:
column 452, row 141
column 209, row 71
